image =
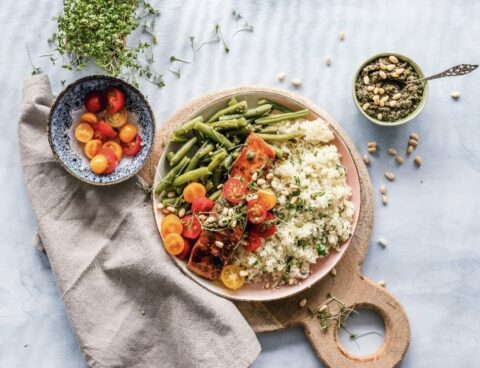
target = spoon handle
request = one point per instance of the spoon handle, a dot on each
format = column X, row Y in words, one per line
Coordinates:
column 461, row 69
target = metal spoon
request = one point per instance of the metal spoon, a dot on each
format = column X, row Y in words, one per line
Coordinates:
column 461, row 69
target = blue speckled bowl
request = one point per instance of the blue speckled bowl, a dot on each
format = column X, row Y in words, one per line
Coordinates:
column 69, row 104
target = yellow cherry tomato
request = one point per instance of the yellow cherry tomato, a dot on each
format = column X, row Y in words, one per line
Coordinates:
column 174, row 244
column 98, row 163
column 171, row 224
column 115, row 148
column 193, row 191
column 92, row 147
column 268, row 198
column 89, row 117
column 117, row 119
column 84, row 132
column 231, row 277
column 128, row 132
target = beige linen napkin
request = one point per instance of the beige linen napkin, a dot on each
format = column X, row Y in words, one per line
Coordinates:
column 129, row 305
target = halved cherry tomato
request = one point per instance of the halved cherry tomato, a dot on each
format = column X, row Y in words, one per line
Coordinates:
column 115, row 100
column 111, row 160
column 256, row 211
column 115, row 148
column 174, row 244
column 193, row 191
column 84, row 132
column 186, row 250
column 99, row 135
column 254, row 242
column 99, row 163
column 117, row 119
column 231, row 277
column 234, row 190
column 106, row 130
column 92, row 147
column 95, row 101
column 89, row 117
column 133, row 147
column 171, row 224
column 268, row 198
column 202, row 204
column 128, row 132
column 191, row 227
column 266, row 228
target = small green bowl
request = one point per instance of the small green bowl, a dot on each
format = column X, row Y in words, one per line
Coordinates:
column 414, row 113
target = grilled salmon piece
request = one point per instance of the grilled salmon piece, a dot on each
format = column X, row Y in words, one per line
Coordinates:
column 207, row 259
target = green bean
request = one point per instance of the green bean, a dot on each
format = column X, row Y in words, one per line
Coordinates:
column 168, row 179
column 250, row 113
column 243, row 132
column 170, row 155
column 209, row 185
column 188, row 126
column 217, row 160
column 217, row 174
column 183, row 151
column 270, row 129
column 281, row 137
column 238, row 107
column 203, row 151
column 179, row 138
column 191, row 176
column 169, row 201
column 232, row 101
column 278, row 152
column 282, row 117
column 275, row 106
column 215, row 195
column 212, row 134
column 228, row 162
column 229, row 124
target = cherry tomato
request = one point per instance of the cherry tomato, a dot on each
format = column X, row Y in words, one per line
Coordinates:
column 174, row 244
column 99, row 135
column 84, row 132
column 171, row 224
column 193, row 191
column 115, row 100
column 266, row 228
column 186, row 250
column 191, row 227
column 115, row 148
column 268, row 198
column 89, row 117
column 202, row 204
column 111, row 160
column 254, row 242
column 256, row 211
column 128, row 132
column 117, row 119
column 95, row 101
column 98, row 163
column 106, row 130
column 231, row 277
column 133, row 147
column 92, row 147
column 234, row 190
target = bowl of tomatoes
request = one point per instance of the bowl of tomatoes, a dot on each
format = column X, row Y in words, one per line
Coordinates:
column 101, row 130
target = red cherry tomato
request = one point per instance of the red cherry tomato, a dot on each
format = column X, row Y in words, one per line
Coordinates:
column 99, row 135
column 186, row 250
column 254, row 242
column 266, row 228
column 95, row 101
column 256, row 211
column 111, row 160
column 202, row 204
column 234, row 190
column 191, row 227
column 133, row 147
column 115, row 100
column 106, row 129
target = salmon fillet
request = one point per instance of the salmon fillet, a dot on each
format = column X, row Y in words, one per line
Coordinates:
column 207, row 259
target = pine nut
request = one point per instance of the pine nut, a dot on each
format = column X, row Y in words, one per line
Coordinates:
column 365, row 106
column 181, row 213
column 400, row 160
column 375, row 91
column 379, row 117
column 281, row 76
column 390, row 67
column 382, row 74
column 171, row 194
column 328, row 61
column 383, row 67
column 366, row 159
column 370, row 88
column 417, row 160
column 382, row 283
column 382, row 104
column 392, row 151
column 384, row 199
column 392, row 103
column 341, row 35
column 296, row 82
column 243, row 273
column 385, row 98
column 394, row 75
column 171, row 209
column 372, row 149
column 366, row 80
column 323, row 308
column 397, row 96
column 410, row 149
column 302, row 303
column 219, row 186
column 376, row 99
column 413, row 142
column 219, row 244
column 390, row 176
column 372, row 144
column 393, row 59
column 269, row 176
column 160, row 206
column 455, row 95
column 382, row 242
column 399, row 71
column 261, row 182
column 254, row 176
column 383, row 189
column 333, row 271
column 381, row 91
column 414, row 136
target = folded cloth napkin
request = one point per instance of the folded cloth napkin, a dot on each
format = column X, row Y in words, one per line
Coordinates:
column 128, row 303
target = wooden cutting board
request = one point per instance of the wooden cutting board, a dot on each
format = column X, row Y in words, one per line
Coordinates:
column 349, row 285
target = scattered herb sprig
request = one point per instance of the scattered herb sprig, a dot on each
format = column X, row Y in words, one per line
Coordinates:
column 35, row 70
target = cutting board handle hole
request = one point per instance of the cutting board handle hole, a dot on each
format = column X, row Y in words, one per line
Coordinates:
column 363, row 333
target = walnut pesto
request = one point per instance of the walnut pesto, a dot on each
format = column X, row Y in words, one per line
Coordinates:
column 382, row 90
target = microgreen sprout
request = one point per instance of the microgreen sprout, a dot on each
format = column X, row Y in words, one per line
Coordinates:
column 236, row 14
column 192, row 45
column 174, row 58
column 219, row 34
column 35, row 70
column 246, row 28
column 175, row 72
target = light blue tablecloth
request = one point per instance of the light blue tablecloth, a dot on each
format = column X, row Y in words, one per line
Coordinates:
column 432, row 262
